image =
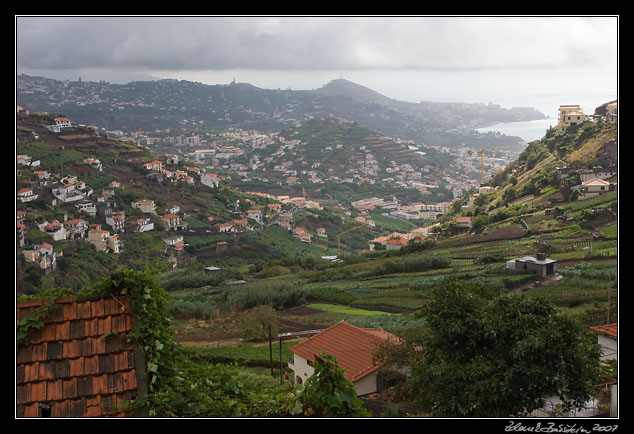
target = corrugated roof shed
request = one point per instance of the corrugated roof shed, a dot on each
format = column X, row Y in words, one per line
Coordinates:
column 80, row 364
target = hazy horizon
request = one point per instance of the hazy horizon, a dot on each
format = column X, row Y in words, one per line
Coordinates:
column 539, row 62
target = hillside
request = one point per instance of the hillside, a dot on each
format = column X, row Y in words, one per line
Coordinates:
column 221, row 285
column 581, row 148
column 79, row 154
column 338, row 145
column 195, row 107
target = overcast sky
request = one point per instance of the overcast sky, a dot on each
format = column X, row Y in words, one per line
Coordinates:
column 506, row 60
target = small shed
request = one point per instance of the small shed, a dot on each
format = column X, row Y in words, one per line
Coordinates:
column 540, row 264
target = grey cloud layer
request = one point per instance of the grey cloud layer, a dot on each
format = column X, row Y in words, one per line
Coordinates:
column 171, row 43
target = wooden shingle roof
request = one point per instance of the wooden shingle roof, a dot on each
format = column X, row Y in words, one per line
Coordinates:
column 80, row 364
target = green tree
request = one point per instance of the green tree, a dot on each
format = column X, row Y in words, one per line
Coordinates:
column 327, row 393
column 261, row 321
column 481, row 354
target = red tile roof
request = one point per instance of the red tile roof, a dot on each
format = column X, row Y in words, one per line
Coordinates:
column 70, row 366
column 610, row 330
column 353, row 347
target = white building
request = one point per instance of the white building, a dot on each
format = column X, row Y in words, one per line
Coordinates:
column 210, row 180
column 353, row 347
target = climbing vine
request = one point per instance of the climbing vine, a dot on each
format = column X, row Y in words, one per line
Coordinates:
column 177, row 386
column 35, row 321
column 180, row 387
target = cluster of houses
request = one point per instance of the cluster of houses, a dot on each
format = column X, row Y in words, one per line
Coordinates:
column 274, row 213
column 595, row 181
column 570, row 115
column 393, row 208
column 74, row 192
column 159, row 173
column 397, row 240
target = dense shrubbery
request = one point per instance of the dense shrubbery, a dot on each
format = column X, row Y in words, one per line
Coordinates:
column 415, row 264
column 196, row 305
column 279, row 296
column 396, row 324
column 183, row 279
column 391, row 266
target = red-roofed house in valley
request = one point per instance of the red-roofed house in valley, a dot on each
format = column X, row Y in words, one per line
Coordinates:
column 63, row 122
column 146, row 206
column 26, row 195
column 103, row 241
column 173, row 222
column 43, row 256
column 210, row 180
column 255, row 214
column 80, row 363
column 76, row 228
column 593, row 187
column 354, row 349
column 155, row 166
column 396, row 243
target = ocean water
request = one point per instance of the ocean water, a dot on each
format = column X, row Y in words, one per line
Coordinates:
column 528, row 131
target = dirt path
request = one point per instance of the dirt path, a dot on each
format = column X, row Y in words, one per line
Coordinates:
column 544, row 281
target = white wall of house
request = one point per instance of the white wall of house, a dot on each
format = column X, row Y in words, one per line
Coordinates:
column 608, row 347
column 303, row 371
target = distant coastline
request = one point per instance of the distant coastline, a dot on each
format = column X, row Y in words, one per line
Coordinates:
column 527, row 130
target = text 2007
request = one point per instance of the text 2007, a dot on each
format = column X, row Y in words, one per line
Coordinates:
column 606, row 428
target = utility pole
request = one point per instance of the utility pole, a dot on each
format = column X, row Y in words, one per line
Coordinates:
column 271, row 351
column 609, row 284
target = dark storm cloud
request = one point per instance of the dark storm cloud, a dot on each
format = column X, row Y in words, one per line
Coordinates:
column 173, row 43
column 301, row 43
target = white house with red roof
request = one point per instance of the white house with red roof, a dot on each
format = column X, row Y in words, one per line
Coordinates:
column 76, row 228
column 103, row 241
column 55, row 229
column 42, row 255
column 593, row 187
column 26, row 195
column 63, row 122
column 210, row 180
column 255, row 214
column 24, row 160
column 116, row 221
column 144, row 225
column 173, row 222
column 225, row 227
column 155, row 166
column 354, row 349
column 145, row 206
column 570, row 115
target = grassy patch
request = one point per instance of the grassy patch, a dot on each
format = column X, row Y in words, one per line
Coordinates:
column 346, row 309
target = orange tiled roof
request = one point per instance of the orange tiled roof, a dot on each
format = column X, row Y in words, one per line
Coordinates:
column 68, row 366
column 352, row 346
column 607, row 329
